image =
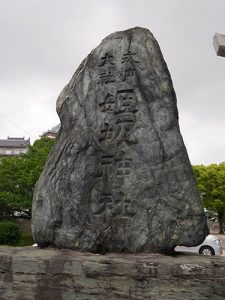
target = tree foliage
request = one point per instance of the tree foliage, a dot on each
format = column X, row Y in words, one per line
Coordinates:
column 211, row 183
column 18, row 176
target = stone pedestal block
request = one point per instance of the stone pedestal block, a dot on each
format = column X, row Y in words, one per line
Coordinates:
column 30, row 273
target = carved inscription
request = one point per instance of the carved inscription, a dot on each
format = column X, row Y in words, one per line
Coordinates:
column 128, row 61
column 107, row 59
column 107, row 133
column 112, row 201
column 119, row 104
column 126, row 101
column 123, row 166
column 108, row 104
column 106, row 70
column 123, row 109
column 116, row 205
column 107, row 165
column 115, row 167
column 129, row 57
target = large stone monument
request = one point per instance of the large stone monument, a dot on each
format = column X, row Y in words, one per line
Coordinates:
column 118, row 178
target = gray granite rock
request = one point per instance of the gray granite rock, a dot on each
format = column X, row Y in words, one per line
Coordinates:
column 119, row 178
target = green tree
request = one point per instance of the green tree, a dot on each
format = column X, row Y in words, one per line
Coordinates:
column 18, row 176
column 211, row 183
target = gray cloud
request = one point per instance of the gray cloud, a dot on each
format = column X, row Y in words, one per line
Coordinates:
column 43, row 42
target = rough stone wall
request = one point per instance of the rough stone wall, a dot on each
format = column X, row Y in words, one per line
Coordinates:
column 49, row 274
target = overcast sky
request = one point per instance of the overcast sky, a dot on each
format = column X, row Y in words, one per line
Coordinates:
column 44, row 41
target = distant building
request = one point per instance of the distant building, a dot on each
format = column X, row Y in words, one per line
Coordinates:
column 14, row 146
column 52, row 133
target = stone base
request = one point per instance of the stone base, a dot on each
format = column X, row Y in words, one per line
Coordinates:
column 49, row 274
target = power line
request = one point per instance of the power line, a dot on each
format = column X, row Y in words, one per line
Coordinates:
column 16, row 125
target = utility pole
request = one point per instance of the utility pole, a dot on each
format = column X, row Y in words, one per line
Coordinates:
column 219, row 44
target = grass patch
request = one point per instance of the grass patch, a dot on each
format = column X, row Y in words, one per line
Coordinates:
column 26, row 240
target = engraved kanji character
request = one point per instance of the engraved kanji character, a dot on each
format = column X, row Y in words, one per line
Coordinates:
column 126, row 100
column 108, row 105
column 128, row 73
column 106, row 59
column 107, row 132
column 104, row 202
column 128, row 58
column 123, row 206
column 107, row 166
column 129, row 207
column 106, row 75
column 123, row 124
column 123, row 166
column 129, row 69
column 118, row 205
column 107, row 199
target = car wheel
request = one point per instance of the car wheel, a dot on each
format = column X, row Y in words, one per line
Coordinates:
column 206, row 250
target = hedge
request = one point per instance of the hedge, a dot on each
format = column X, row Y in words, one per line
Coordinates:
column 9, row 233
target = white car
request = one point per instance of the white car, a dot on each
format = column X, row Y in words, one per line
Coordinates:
column 211, row 246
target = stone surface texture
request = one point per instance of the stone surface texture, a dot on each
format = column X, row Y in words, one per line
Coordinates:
column 30, row 273
column 219, row 44
column 119, row 178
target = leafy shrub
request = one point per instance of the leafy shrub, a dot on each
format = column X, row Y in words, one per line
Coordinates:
column 9, row 233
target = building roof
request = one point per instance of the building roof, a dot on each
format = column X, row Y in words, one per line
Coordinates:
column 53, row 131
column 12, row 142
column 55, row 128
